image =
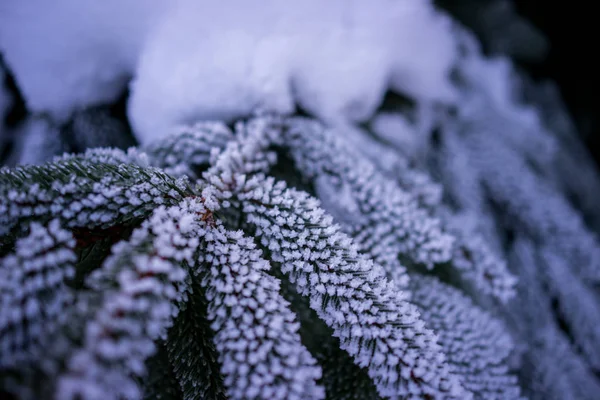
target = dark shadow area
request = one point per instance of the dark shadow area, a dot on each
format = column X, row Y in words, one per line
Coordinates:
column 569, row 57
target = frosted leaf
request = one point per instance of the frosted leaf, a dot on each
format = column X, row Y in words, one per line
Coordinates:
column 479, row 264
column 551, row 369
column 246, row 155
column 256, row 334
column 391, row 224
column 367, row 315
column 380, row 204
column 33, row 292
column 461, row 180
column 574, row 169
column 107, row 155
column 140, row 296
column 91, row 190
column 188, row 147
column 476, row 344
column 493, row 85
column 396, row 129
column 538, row 207
column 577, row 303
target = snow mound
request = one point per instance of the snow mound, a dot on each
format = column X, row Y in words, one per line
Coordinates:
column 198, row 59
column 334, row 59
column 68, row 54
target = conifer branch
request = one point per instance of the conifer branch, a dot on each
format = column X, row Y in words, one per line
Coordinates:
column 33, row 292
column 476, row 344
column 141, row 283
column 83, row 193
column 255, row 332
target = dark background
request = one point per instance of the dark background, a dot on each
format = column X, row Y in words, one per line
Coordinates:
column 572, row 30
column 570, row 59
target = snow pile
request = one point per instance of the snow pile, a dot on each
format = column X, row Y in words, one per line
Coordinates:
column 195, row 59
column 334, row 59
column 67, row 54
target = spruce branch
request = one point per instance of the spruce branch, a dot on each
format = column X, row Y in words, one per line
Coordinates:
column 577, row 303
column 532, row 202
column 551, row 369
column 191, row 350
column 487, row 272
column 385, row 221
column 476, row 344
column 83, row 193
column 187, row 150
column 374, row 322
column 318, row 151
column 141, row 283
column 255, row 332
column 33, row 292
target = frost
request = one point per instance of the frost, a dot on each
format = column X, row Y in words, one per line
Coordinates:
column 362, row 314
column 574, row 169
column 140, row 297
column 388, row 221
column 35, row 276
column 396, row 129
column 222, row 260
column 383, row 214
column 537, row 205
column 256, row 335
column 577, row 303
column 479, row 263
column 476, row 344
column 551, row 369
column 501, row 167
column 189, row 147
column 94, row 196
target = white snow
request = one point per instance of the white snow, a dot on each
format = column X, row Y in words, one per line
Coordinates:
column 334, row 59
column 198, row 60
column 68, row 54
column 396, row 129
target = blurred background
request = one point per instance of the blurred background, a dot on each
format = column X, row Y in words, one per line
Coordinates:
column 551, row 41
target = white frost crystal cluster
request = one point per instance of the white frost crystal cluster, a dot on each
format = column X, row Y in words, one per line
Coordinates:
column 33, row 294
column 256, row 332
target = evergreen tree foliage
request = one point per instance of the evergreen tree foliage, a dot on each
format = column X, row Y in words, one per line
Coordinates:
column 183, row 270
column 441, row 251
